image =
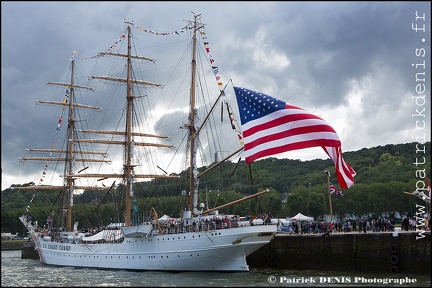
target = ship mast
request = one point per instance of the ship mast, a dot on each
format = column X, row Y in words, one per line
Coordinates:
column 69, row 159
column 129, row 144
column 128, row 174
column 194, row 131
column 70, row 182
column 193, row 170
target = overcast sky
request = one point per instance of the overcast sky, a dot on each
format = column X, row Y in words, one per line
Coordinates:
column 352, row 63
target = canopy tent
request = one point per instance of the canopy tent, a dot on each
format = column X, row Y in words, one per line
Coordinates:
column 164, row 218
column 301, row 217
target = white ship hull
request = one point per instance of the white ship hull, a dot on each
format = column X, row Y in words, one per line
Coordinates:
column 216, row 250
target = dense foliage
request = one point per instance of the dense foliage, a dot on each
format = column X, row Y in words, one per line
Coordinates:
column 383, row 174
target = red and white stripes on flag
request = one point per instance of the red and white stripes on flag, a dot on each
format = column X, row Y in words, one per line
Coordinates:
column 344, row 172
column 271, row 126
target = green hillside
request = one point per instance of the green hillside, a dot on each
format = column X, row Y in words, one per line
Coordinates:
column 383, row 174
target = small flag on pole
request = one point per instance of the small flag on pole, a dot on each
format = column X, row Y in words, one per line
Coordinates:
column 334, row 191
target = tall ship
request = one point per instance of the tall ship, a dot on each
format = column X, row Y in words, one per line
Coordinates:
column 199, row 238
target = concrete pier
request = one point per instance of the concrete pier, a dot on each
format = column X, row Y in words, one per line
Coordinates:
column 375, row 252
column 28, row 251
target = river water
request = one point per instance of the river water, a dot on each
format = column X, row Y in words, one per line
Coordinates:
column 17, row 272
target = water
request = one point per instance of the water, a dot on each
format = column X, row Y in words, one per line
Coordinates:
column 29, row 273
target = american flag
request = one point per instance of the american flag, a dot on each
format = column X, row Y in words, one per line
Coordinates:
column 334, row 191
column 271, row 126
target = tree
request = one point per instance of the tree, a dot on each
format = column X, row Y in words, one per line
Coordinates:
column 316, row 204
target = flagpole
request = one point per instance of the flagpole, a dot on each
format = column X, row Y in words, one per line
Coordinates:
column 330, row 202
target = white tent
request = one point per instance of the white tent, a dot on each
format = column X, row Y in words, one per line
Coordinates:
column 165, row 218
column 301, row 217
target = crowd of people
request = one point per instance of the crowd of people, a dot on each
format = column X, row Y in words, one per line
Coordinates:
column 298, row 227
column 350, row 225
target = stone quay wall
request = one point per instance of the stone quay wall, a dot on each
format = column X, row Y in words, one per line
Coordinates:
column 380, row 252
